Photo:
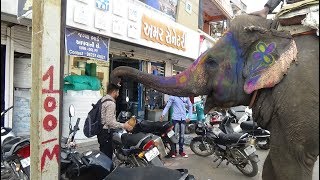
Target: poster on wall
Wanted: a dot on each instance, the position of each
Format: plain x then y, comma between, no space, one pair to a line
87,45
168,7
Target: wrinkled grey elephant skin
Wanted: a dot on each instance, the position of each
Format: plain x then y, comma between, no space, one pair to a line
284,70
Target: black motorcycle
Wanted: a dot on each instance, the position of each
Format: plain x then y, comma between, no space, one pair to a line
136,150
162,129
237,148
88,165
247,125
15,154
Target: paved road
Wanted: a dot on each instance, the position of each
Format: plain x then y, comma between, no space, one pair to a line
205,169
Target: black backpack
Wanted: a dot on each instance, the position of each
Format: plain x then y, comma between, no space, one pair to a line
92,125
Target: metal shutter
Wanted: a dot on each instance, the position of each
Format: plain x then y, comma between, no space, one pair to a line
22,36
4,26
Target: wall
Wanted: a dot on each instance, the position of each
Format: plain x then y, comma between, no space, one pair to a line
185,18
123,20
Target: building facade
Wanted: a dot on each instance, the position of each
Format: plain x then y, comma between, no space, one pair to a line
159,37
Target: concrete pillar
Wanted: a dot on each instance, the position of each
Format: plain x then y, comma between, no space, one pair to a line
46,91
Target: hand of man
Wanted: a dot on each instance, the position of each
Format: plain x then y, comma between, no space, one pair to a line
188,120
161,118
127,126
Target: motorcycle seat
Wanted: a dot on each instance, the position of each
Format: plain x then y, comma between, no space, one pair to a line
232,138
132,139
249,125
8,145
154,126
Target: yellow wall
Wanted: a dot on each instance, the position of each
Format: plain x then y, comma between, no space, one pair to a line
186,19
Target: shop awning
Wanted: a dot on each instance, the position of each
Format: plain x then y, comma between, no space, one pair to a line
217,10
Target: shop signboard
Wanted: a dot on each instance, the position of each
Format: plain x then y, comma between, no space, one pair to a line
86,45
153,30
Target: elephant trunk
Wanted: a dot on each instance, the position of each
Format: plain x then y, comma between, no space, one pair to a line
174,85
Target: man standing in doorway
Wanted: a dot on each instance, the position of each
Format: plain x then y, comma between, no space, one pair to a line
108,119
179,119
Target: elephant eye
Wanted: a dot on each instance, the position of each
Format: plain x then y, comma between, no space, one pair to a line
211,62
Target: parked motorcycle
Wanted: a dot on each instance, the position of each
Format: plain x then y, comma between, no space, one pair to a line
15,154
136,150
246,125
162,129
237,148
74,165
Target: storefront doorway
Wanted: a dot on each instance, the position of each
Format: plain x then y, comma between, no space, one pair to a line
129,88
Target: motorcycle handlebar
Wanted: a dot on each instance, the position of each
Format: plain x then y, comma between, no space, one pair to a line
75,129
5,111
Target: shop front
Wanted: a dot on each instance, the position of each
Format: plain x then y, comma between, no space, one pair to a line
140,37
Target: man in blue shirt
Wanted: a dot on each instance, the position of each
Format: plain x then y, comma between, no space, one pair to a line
179,119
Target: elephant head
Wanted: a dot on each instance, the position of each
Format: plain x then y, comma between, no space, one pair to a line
248,57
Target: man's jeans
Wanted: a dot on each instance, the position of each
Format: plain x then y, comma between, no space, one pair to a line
179,129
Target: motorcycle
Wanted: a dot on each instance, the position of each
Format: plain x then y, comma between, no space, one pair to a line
237,148
135,150
158,129
162,129
15,154
74,165
246,125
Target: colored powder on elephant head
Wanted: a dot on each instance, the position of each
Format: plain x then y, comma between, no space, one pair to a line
231,66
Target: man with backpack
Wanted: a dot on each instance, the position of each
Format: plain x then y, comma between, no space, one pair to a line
108,120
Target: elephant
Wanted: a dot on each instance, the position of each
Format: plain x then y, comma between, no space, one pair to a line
278,72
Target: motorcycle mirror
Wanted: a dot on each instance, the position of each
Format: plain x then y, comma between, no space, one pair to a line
71,111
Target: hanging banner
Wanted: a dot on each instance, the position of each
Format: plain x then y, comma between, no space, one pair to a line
87,45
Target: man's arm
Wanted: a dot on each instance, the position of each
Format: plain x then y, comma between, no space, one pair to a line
190,108
272,4
268,8
169,103
108,116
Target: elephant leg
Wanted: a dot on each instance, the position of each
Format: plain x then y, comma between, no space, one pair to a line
288,160
268,172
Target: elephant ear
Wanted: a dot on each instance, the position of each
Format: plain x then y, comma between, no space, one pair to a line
268,60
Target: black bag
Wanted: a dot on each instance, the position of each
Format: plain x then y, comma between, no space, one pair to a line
92,125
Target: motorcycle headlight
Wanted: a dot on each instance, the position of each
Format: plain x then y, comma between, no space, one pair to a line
252,141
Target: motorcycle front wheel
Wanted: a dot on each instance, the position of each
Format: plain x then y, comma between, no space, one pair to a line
251,172
201,147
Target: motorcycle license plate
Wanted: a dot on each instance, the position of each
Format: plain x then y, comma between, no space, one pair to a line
25,162
170,133
249,150
154,152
